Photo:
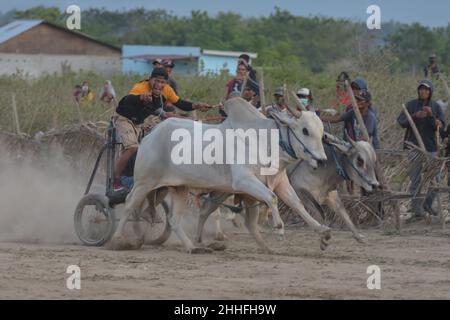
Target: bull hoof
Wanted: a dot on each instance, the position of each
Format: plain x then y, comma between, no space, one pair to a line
325,232
323,244
261,229
326,236
236,223
279,231
200,250
427,219
217,246
361,238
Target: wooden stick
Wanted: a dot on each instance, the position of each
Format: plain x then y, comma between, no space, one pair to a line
286,96
15,114
77,105
358,115
244,84
262,97
414,128
444,80
438,141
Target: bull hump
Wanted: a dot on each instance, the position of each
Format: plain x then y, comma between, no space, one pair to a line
241,114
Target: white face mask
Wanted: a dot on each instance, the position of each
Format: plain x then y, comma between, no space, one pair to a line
84,88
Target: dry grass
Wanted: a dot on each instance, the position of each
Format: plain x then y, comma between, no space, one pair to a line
45,104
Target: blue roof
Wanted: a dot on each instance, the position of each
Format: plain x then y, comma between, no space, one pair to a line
16,27
134,50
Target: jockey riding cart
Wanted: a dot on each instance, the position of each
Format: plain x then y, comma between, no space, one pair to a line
95,215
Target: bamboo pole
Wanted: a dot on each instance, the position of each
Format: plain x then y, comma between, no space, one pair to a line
286,96
444,80
244,84
358,115
15,114
77,105
262,96
414,128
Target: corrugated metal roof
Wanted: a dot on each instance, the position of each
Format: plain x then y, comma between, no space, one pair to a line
16,27
151,57
134,50
235,54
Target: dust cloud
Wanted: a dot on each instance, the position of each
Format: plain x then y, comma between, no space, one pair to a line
38,199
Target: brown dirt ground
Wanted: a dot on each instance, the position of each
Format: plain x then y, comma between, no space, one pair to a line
413,265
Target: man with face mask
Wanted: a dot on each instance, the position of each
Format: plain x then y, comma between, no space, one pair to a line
428,118
305,96
145,98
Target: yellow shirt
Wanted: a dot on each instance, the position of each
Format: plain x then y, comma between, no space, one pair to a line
144,86
87,99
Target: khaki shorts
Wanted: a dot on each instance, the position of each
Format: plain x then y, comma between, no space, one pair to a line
127,131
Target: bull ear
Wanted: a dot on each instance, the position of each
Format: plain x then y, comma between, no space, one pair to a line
284,118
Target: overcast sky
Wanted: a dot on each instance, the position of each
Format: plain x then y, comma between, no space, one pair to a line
430,12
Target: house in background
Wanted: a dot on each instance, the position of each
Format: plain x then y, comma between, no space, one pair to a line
214,61
36,47
188,60
139,58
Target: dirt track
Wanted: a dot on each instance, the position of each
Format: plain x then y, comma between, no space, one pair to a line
414,265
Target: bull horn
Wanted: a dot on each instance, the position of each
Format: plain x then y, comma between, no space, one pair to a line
295,113
331,138
352,142
298,102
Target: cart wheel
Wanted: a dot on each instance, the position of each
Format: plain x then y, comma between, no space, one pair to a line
159,230
95,221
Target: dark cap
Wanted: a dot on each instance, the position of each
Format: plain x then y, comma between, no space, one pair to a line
159,72
168,63
279,92
359,84
364,95
425,83
251,86
245,56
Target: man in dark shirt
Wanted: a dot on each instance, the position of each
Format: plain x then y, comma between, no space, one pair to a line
428,118
432,68
363,99
145,99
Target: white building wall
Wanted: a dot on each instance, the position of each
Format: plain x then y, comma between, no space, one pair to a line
37,64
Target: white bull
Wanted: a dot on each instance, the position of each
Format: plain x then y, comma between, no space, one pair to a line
156,173
354,161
